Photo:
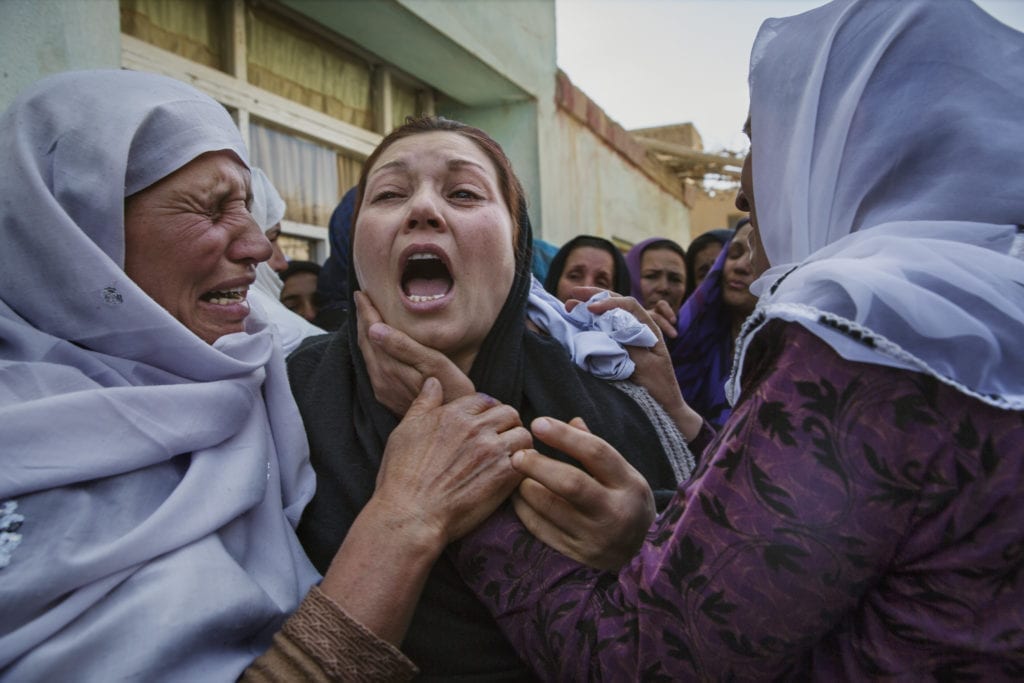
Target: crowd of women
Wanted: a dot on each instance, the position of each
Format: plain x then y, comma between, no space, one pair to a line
818,484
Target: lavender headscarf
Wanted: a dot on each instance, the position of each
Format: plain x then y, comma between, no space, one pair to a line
893,227
635,257
157,479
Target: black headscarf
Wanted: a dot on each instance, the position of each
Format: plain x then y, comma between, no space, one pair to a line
452,634
620,282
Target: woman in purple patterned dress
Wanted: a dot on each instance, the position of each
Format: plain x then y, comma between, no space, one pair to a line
860,515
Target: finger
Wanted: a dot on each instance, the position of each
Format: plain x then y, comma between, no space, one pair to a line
600,460
481,404
662,308
425,360
585,293
365,309
578,423
627,303
667,327
542,521
574,486
631,305
430,397
516,438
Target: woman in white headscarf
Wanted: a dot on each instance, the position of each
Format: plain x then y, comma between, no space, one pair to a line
267,210
153,461
859,516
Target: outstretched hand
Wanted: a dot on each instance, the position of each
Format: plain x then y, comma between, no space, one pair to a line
398,365
598,517
446,467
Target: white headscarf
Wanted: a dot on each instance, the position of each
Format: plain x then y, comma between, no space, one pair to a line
886,150
267,209
157,478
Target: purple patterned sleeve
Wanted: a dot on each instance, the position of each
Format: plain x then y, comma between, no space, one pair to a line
811,543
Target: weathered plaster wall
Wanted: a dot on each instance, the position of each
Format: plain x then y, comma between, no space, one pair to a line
41,37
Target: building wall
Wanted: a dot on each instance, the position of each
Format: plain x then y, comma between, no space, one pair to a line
607,183
604,194
713,211
42,37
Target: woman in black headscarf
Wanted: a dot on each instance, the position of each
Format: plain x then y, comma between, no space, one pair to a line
438,252
587,261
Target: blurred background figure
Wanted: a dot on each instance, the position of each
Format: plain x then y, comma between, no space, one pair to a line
267,210
332,286
543,253
708,324
299,293
587,261
702,253
657,272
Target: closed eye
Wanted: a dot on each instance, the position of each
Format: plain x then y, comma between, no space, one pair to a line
464,194
385,195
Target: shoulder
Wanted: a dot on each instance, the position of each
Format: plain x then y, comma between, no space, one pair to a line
317,357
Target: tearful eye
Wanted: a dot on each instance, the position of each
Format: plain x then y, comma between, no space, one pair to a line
384,196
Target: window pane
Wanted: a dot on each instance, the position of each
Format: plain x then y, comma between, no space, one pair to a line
306,69
296,248
304,173
403,103
194,29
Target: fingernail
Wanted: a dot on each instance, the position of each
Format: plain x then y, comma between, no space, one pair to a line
517,459
378,331
541,424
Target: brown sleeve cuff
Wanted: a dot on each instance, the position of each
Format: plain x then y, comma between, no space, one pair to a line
344,648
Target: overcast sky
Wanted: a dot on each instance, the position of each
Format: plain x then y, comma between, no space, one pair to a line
657,62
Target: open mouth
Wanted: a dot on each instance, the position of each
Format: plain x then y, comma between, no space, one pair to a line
425,277
225,297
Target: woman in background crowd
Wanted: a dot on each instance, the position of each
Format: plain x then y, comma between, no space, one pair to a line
299,290
267,210
702,254
587,261
657,272
707,326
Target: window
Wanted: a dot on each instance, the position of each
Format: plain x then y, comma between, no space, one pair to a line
308,104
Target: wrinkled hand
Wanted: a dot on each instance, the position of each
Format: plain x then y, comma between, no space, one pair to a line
447,466
598,517
654,370
398,365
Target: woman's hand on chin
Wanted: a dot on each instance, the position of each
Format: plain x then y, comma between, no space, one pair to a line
599,517
398,365
446,467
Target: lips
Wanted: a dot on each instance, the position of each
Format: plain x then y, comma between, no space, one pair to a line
224,297
426,275
229,292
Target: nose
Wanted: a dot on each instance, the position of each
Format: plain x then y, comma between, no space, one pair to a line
250,245
741,201
423,211
743,264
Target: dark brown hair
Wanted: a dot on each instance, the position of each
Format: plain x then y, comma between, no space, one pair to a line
511,189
